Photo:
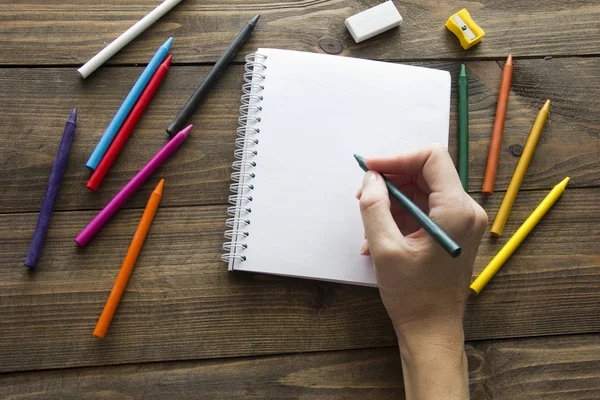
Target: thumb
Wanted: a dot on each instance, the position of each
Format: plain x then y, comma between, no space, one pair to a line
380,227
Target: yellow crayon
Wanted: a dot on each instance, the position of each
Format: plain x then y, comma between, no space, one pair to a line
509,248
517,179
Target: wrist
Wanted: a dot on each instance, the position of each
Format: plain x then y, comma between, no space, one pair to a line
427,341
434,365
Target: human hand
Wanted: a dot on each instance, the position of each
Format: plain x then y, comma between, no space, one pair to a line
424,290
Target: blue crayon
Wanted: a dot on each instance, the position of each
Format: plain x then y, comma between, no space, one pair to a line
127,105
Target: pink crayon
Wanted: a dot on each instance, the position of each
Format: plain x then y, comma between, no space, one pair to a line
99,220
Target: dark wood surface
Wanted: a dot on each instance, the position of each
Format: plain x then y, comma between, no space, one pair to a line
72,31
181,302
539,368
199,173
186,328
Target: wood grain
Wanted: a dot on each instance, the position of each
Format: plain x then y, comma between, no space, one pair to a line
70,32
540,368
181,303
35,103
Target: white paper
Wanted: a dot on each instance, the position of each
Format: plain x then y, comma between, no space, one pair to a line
317,111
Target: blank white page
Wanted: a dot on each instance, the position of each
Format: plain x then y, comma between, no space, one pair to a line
317,111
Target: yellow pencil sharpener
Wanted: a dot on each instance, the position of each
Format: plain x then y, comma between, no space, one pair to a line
465,29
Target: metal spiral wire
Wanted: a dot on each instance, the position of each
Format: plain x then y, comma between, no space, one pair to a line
245,154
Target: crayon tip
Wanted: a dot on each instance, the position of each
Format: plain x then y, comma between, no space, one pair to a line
463,70
168,43
546,105
167,62
159,188
254,20
186,131
73,116
361,162
564,182
509,60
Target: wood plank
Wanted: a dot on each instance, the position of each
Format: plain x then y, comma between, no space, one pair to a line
539,368
70,32
34,104
181,303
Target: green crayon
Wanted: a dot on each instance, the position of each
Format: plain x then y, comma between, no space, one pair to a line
463,128
423,219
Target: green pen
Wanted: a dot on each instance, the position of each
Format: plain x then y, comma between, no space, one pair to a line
463,128
423,219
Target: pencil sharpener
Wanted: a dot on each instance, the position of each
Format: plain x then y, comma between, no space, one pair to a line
465,29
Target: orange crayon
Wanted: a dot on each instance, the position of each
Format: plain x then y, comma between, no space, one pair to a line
129,262
494,154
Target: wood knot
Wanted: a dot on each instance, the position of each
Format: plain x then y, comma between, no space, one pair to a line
331,45
323,297
476,361
516,150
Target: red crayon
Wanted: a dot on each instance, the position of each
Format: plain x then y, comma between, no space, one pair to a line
128,126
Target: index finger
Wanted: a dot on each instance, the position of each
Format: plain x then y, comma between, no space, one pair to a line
432,164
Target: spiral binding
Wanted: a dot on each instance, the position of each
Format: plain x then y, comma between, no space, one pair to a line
245,154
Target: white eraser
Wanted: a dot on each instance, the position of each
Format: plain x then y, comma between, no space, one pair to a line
373,21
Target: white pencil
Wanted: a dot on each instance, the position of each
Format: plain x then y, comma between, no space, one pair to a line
126,37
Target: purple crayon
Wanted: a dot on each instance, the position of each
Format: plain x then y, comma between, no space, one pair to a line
58,169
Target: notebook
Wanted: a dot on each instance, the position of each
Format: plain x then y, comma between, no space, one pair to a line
303,116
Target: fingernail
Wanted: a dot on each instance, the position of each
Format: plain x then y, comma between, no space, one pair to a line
358,193
364,248
369,178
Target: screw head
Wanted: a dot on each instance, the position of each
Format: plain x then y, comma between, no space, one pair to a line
516,150
331,45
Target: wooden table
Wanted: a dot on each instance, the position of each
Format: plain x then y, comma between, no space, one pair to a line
186,328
